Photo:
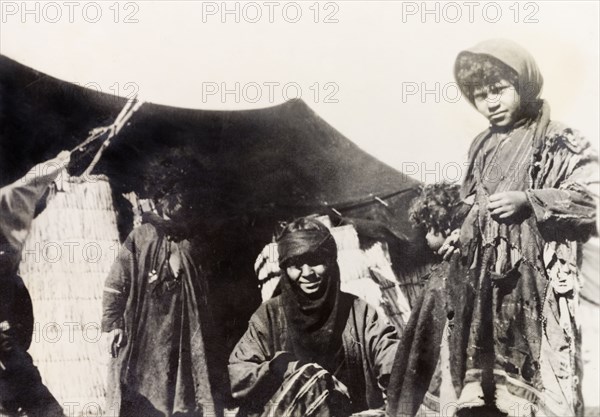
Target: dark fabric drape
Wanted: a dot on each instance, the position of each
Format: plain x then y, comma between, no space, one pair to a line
163,368
262,359
315,324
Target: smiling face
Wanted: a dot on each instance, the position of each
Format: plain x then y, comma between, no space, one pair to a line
309,275
499,103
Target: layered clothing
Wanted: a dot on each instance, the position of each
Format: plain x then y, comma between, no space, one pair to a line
161,305
324,353
513,291
264,361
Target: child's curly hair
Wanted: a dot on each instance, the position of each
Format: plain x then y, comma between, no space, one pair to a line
436,207
479,71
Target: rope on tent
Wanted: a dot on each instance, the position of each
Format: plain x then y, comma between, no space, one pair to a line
343,205
379,200
109,131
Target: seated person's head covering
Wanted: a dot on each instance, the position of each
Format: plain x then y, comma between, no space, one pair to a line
304,237
316,321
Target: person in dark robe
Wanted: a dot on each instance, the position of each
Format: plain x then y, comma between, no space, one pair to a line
530,183
157,322
313,350
422,361
21,388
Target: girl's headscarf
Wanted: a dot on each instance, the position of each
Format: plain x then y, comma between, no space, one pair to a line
530,83
316,322
530,80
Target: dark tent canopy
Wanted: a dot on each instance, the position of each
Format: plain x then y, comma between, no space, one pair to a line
255,166
280,159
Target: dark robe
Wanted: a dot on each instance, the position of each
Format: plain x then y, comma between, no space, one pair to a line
163,369
414,370
261,361
506,338
498,293
514,307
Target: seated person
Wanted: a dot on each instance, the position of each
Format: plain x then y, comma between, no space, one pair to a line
313,349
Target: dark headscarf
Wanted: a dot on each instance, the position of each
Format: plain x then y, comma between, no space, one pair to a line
315,322
530,83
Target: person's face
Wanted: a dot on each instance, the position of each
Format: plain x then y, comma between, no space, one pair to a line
435,239
499,103
308,274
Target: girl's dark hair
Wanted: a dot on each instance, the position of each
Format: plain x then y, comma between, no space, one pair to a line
437,207
479,70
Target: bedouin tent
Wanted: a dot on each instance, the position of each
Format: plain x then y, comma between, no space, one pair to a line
258,166
282,159
252,167
255,167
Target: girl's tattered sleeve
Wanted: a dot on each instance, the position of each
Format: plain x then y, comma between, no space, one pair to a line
255,371
117,287
565,205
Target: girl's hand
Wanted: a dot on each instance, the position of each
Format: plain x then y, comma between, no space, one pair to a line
509,206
